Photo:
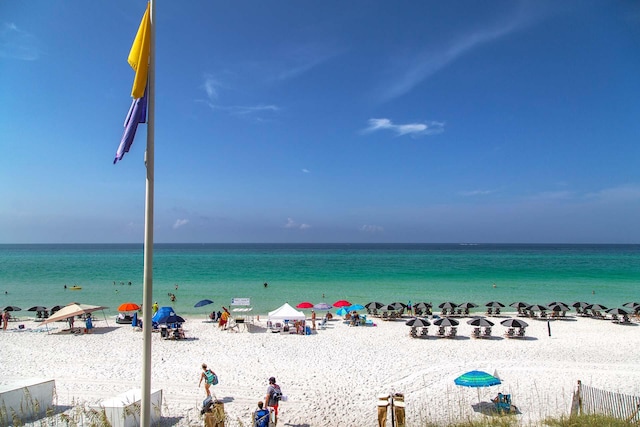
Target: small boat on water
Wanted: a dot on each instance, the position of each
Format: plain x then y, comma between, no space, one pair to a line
75,288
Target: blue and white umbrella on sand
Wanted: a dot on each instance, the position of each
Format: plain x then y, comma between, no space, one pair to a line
477,379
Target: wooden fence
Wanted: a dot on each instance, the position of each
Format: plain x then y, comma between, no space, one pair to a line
590,400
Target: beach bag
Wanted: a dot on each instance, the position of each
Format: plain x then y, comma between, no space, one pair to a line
276,396
211,377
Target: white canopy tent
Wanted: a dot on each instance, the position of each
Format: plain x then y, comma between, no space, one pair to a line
286,312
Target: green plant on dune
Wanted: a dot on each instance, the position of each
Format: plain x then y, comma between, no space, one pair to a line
593,420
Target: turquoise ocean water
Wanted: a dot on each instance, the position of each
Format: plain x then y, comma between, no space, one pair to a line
538,274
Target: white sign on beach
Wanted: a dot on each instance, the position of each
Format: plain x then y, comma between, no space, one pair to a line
240,301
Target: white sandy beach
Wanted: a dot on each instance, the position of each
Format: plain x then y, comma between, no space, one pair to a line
332,377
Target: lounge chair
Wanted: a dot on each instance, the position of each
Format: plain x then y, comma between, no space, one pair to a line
521,333
441,331
452,332
497,311
323,323
489,311
487,332
413,333
511,332
475,333
424,332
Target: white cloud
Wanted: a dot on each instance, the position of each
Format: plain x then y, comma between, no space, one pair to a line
292,224
17,44
211,86
305,170
371,228
179,223
428,128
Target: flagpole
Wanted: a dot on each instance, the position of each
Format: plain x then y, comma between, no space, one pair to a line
145,410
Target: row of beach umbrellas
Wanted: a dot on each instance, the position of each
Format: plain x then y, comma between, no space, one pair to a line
420,322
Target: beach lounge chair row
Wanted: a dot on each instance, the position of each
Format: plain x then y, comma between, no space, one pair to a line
512,333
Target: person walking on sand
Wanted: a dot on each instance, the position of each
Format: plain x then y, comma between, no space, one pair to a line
274,394
209,378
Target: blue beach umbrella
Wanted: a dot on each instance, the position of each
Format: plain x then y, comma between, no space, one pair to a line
477,379
203,303
355,307
342,311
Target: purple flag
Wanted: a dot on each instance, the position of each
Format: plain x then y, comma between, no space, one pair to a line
137,114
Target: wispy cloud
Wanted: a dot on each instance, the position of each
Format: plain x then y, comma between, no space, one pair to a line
427,128
179,223
421,65
212,87
292,224
301,58
476,193
367,228
17,44
305,170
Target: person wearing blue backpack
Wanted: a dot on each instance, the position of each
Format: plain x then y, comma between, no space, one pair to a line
209,377
261,416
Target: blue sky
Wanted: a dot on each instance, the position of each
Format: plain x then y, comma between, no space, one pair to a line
333,121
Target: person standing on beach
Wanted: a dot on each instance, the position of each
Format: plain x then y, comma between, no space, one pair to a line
224,318
313,319
273,398
5,319
154,307
261,416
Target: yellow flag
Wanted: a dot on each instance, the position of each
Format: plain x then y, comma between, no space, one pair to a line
139,56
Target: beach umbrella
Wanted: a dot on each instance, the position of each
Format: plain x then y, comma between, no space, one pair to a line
514,323
418,322
422,305
480,322
355,307
341,303
398,305
596,307
446,321
494,304
129,306
37,308
342,311
389,307
477,379
580,304
618,311
557,303
305,304
322,306
171,318
537,307
519,304
467,305
631,305
71,310
448,305
203,302
559,307
12,308
374,305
